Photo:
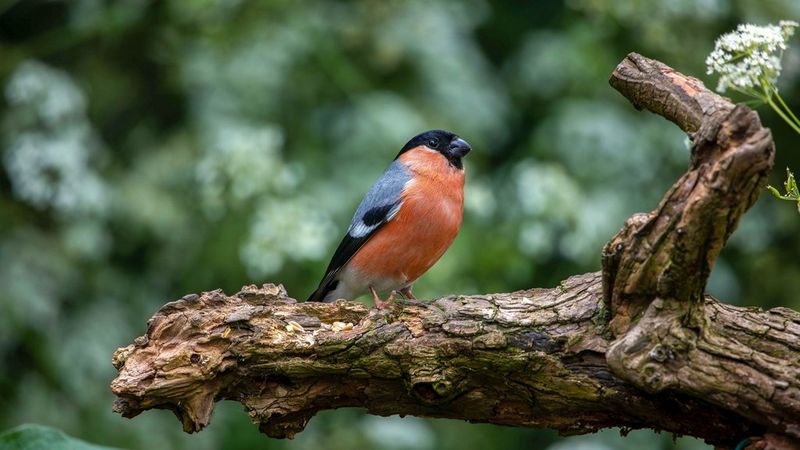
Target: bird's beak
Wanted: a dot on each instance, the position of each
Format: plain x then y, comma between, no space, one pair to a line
459,148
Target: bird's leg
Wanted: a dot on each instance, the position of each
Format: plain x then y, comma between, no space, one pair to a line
380,304
406,291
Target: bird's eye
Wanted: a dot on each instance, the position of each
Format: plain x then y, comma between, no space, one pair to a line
433,143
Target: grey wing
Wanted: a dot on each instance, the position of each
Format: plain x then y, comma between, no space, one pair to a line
382,201
380,205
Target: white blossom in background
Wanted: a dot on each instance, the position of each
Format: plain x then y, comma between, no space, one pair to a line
286,229
559,215
240,162
750,57
50,149
48,93
545,189
55,173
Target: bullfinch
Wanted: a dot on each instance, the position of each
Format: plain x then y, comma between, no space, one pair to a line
404,224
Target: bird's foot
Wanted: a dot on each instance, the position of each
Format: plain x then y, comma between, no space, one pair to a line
406,291
381,304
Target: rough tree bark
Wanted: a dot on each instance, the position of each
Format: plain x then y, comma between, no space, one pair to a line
636,346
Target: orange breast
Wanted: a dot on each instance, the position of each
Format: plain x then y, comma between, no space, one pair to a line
425,226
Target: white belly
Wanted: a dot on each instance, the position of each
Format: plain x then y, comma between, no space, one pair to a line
353,284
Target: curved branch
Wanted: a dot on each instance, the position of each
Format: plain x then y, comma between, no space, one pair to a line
669,252
638,346
656,268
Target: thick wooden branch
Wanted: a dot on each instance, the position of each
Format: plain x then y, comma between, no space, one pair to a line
636,346
530,358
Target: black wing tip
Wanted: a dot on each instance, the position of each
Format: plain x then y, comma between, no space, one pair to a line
322,291
316,296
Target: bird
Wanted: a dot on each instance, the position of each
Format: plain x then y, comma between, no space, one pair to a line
404,224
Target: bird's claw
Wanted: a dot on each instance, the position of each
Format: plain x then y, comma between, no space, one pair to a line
406,291
382,304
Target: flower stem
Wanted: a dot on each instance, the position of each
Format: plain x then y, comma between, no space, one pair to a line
783,115
785,107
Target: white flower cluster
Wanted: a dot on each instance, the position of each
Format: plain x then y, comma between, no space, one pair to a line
241,161
51,146
56,172
750,56
286,229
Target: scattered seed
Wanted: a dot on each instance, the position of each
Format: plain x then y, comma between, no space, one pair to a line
294,326
341,326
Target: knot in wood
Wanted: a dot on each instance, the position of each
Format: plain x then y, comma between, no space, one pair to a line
436,388
661,353
432,392
653,377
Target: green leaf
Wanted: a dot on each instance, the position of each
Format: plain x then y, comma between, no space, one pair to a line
792,192
775,192
40,437
791,185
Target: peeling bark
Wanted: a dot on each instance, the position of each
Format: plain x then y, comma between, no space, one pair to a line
636,346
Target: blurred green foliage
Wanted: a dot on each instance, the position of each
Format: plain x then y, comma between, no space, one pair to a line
150,149
38,437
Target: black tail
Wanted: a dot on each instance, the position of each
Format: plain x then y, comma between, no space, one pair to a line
317,295
322,291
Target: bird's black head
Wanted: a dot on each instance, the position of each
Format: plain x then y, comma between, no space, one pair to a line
448,144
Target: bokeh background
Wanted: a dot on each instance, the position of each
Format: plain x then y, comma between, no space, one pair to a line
150,149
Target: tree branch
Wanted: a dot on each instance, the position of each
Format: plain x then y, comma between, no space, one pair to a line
638,346
532,358
669,252
656,268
